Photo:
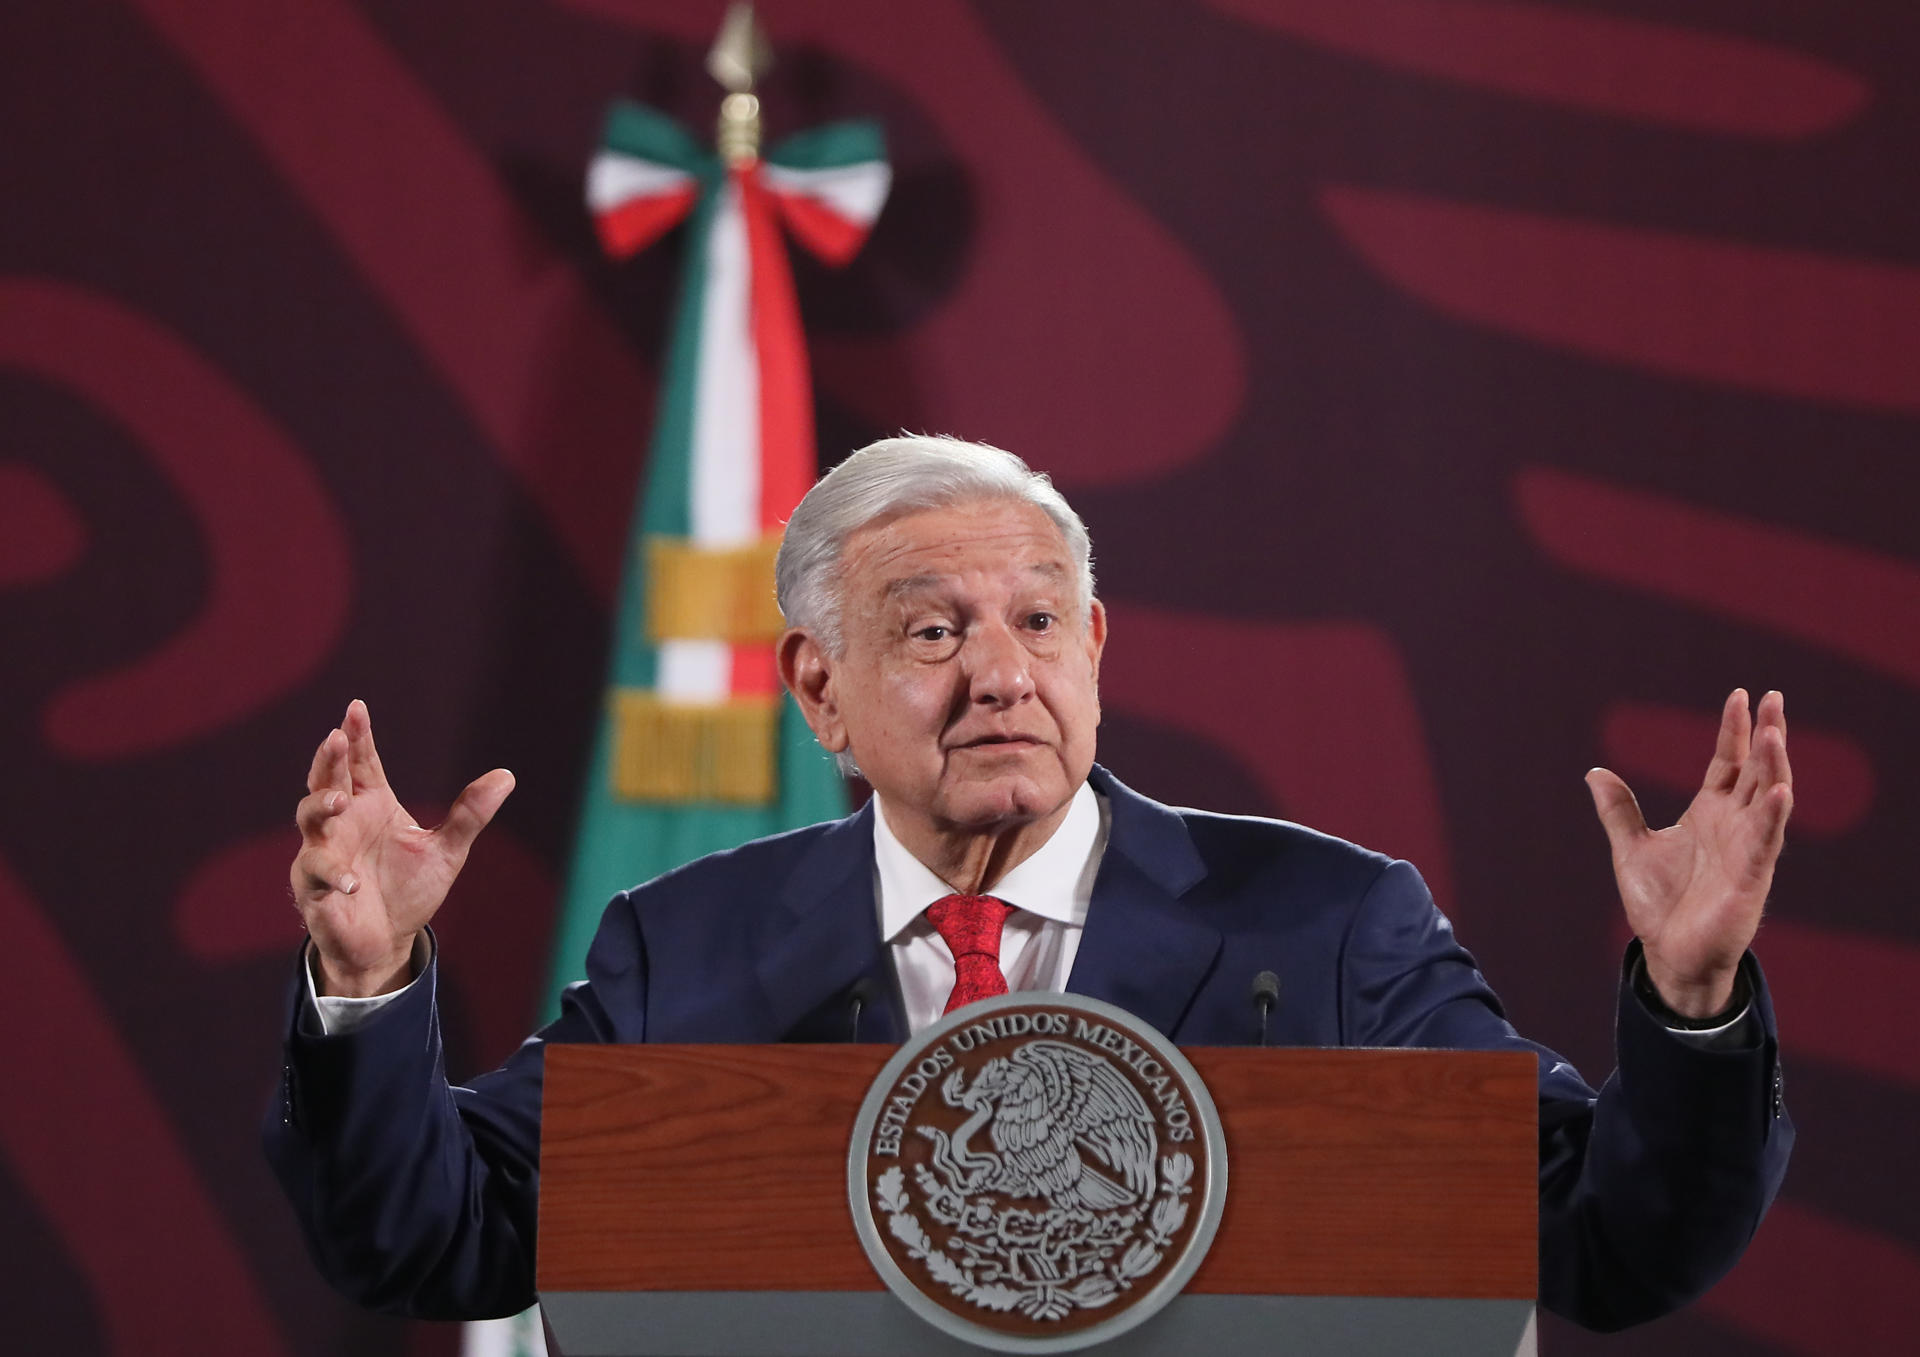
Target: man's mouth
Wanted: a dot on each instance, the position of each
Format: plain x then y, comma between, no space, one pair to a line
989,741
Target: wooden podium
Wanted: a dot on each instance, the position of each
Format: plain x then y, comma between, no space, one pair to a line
693,1201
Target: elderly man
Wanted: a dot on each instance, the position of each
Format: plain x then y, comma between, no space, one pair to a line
945,635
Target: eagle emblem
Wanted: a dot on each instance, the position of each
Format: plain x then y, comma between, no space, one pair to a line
1037,1169
1044,1107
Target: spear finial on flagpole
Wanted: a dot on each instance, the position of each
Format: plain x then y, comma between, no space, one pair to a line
740,56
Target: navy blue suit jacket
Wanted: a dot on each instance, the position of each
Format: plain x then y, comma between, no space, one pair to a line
419,1197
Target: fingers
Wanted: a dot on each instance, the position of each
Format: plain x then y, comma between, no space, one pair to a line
329,767
1619,813
1773,723
316,872
1776,807
363,760
472,812
1767,764
1730,749
317,810
317,770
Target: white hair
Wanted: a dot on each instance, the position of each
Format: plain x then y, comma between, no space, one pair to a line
898,476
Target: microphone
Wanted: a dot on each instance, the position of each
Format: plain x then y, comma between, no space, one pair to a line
1266,993
864,992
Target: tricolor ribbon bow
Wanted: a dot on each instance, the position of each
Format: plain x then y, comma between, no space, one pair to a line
826,186
733,447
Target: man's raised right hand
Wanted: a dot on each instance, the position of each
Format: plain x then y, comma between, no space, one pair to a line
367,878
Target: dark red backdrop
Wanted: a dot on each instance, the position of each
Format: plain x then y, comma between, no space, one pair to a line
1461,394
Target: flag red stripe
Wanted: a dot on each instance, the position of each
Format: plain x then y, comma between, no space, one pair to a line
787,458
833,237
754,672
638,222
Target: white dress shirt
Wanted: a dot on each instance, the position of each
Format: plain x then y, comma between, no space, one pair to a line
1050,893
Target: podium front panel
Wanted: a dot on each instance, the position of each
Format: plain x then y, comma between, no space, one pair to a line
875,1324
701,1189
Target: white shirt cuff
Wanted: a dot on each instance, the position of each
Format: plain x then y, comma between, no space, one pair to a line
335,1015
1737,1033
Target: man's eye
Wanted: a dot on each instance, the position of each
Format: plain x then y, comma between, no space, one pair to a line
1041,622
932,633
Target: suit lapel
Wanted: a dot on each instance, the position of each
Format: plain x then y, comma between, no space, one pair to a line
823,938
1142,949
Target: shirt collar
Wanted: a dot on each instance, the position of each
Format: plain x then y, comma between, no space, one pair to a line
1056,882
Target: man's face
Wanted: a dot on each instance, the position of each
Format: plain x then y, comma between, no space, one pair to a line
968,691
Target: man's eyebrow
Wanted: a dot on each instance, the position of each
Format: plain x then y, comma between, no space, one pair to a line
913,584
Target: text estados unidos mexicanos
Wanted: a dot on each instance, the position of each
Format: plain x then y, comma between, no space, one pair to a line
1160,1085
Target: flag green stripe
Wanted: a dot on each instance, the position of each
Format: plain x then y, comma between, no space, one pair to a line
635,130
831,147
618,843
665,504
623,844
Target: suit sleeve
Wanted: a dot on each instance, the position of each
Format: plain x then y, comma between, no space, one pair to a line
1651,1186
415,1196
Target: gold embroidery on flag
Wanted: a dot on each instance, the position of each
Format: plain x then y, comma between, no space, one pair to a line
697,594
673,751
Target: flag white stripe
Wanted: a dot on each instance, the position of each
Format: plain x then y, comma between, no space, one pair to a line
855,191
613,178
725,476
693,671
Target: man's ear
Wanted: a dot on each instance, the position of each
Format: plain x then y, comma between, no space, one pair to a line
808,674
1096,645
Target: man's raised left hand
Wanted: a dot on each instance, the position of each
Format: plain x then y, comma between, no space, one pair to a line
1694,892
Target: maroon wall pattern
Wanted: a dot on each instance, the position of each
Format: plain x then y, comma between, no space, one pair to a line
1461,393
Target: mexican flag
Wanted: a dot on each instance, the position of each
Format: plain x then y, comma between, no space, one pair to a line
698,748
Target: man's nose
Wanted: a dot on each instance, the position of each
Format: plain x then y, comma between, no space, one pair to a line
999,672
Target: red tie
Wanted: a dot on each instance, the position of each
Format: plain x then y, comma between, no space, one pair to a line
970,925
